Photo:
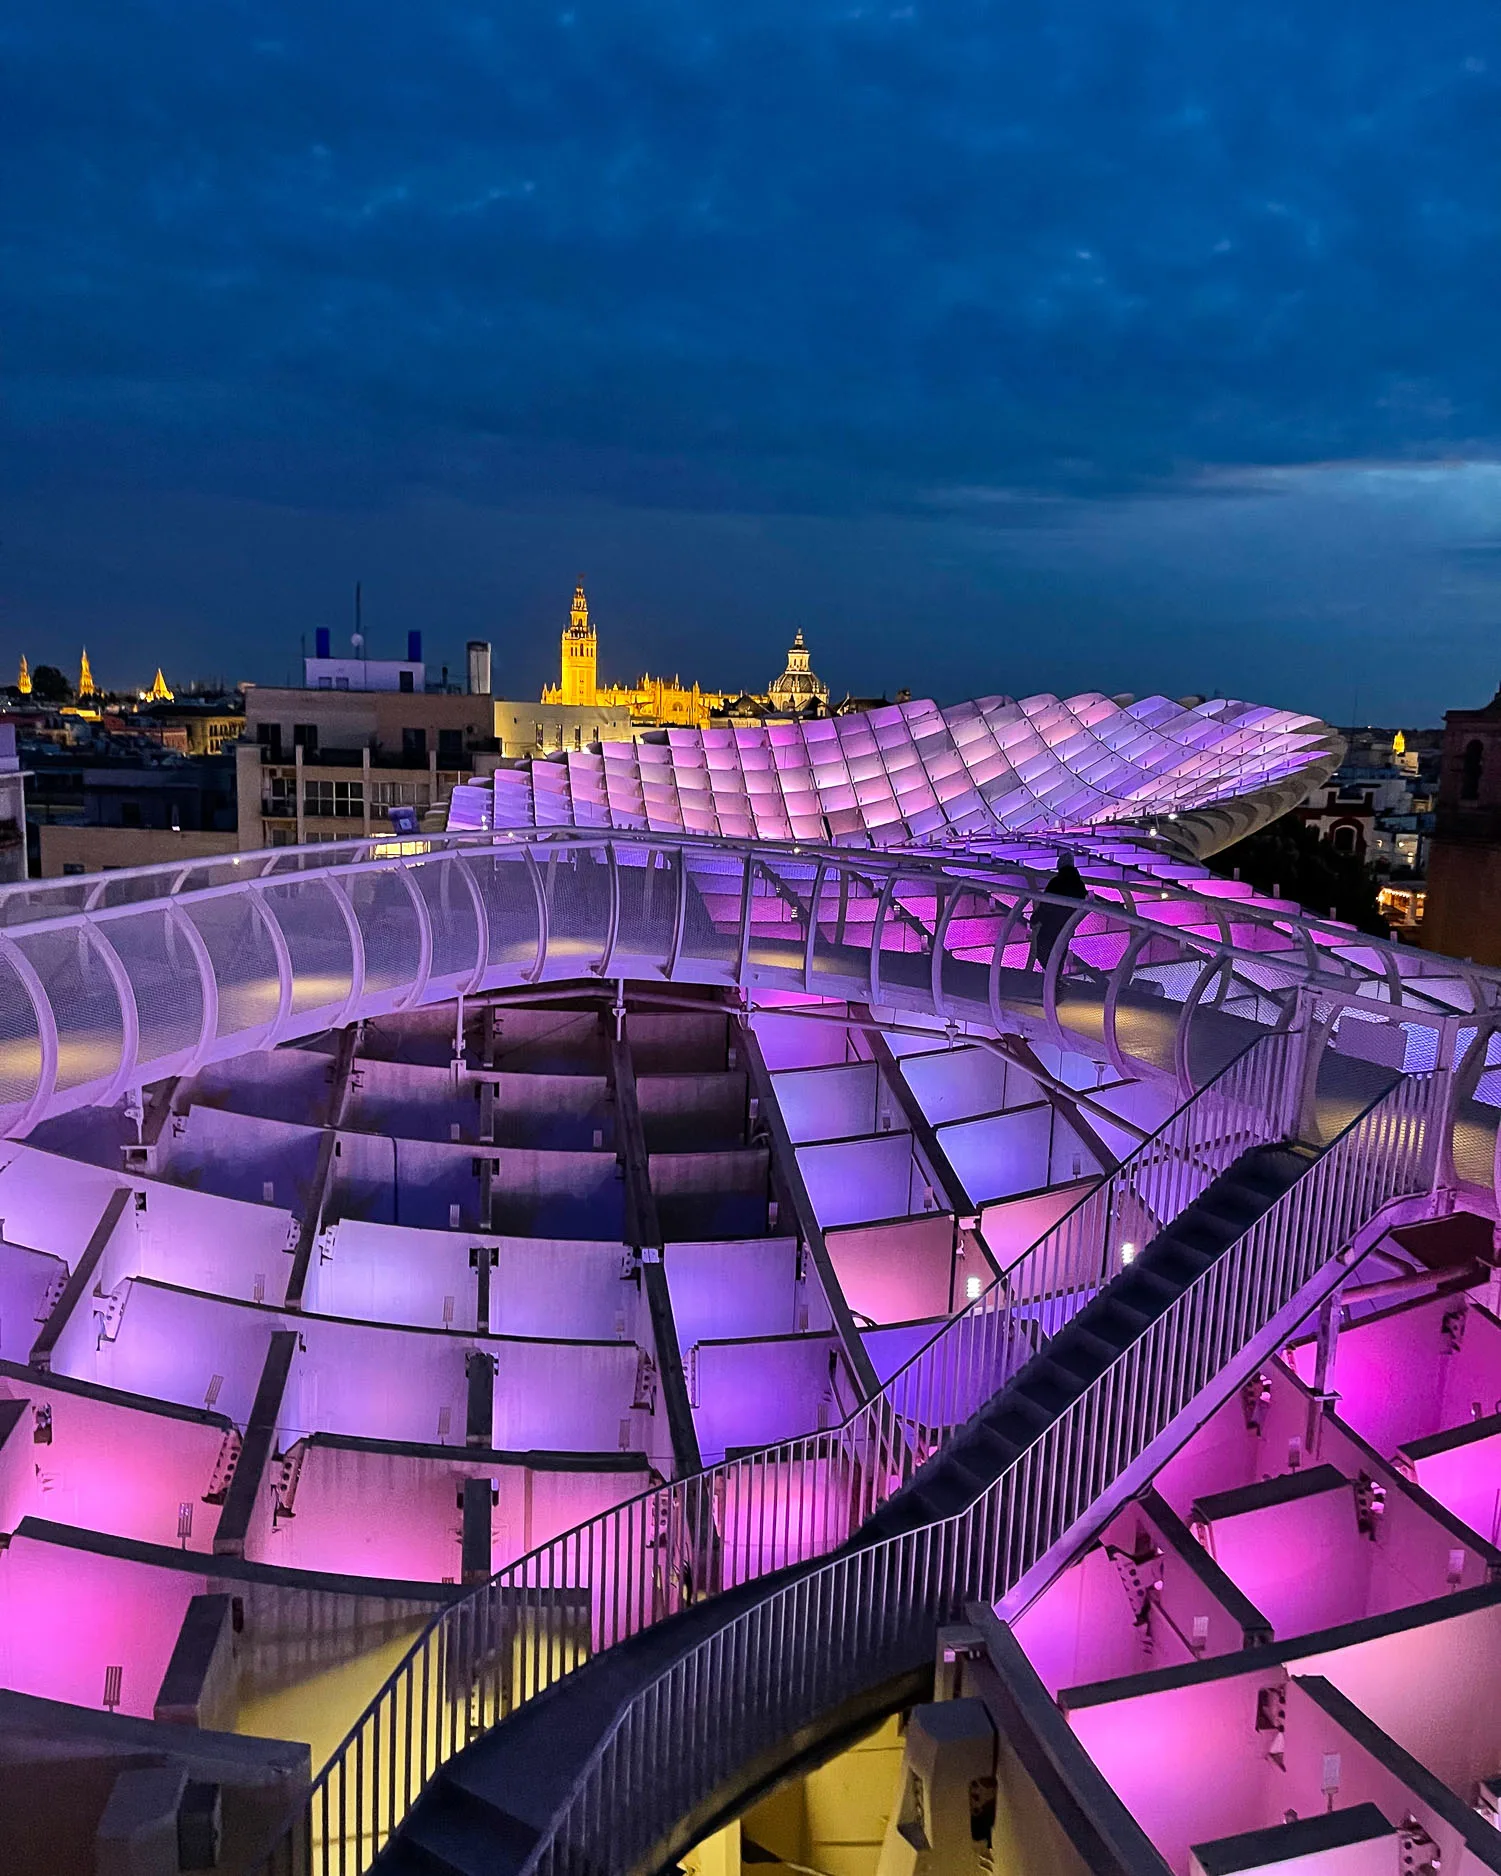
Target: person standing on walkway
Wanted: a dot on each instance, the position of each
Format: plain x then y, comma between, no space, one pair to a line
1048,921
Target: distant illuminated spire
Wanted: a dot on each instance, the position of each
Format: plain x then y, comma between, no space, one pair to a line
86,677
159,692
23,682
579,686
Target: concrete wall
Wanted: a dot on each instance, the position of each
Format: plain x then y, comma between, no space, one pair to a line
99,849
418,1535
895,1272
735,1288
703,1196
240,1156
416,1101
26,1276
569,1112
116,1465
405,1182
280,1084
692,1113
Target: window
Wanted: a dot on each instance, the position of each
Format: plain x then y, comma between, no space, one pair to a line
72,866
450,745
325,683
414,745
1474,763
404,681
1344,839
305,736
280,796
268,735
337,798
400,795
130,814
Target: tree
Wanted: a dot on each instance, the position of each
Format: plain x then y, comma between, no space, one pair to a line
48,685
1289,859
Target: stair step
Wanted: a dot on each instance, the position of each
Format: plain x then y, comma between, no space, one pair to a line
1101,1347
457,1829
998,1450
1180,1263
942,1497
970,1467
1143,1278
1077,1360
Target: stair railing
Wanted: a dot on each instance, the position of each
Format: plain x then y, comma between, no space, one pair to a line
626,1568
868,1616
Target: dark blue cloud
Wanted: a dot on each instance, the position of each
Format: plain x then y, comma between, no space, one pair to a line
785,260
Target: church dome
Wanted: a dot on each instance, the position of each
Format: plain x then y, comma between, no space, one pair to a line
798,686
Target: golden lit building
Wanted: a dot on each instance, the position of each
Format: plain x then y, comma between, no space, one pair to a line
580,658
23,682
159,692
86,686
651,700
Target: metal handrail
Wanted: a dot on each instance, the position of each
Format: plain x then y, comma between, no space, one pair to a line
320,920
620,1571
868,1615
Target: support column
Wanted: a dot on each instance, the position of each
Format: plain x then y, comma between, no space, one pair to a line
476,1501
259,1447
784,1158
483,1258
479,1414
956,1199
80,1278
311,1222
644,1231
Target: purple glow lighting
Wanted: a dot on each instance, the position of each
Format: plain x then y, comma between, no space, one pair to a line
914,773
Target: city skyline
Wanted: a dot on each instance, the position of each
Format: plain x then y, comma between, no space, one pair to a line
1130,350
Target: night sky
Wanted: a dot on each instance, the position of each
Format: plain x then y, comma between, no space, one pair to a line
1116,344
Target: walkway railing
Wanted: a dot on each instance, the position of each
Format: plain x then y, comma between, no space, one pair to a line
614,1575
868,1616
109,983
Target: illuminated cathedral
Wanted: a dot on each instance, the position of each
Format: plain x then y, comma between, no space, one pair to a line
797,691
657,700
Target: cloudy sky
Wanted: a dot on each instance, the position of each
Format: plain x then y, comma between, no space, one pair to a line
1003,345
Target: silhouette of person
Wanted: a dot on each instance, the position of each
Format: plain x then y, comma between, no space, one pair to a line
1048,921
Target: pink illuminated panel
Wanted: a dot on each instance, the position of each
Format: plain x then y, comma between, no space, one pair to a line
911,772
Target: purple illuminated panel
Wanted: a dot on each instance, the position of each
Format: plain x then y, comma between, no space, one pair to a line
913,773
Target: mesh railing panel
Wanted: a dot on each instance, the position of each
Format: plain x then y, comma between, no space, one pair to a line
317,941
165,979
451,914
85,1005
20,1043
505,883
648,906
387,919
243,959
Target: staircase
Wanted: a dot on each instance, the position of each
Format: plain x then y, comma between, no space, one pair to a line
1092,1342
486,1812
602,1702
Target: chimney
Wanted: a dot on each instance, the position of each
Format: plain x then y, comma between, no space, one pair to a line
414,648
321,642
479,667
